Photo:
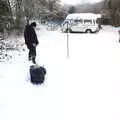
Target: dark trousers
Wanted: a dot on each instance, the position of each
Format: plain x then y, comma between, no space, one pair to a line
32,54
32,51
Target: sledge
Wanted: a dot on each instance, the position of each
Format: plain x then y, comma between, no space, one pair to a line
37,74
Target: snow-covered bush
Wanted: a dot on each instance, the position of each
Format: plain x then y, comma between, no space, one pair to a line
10,44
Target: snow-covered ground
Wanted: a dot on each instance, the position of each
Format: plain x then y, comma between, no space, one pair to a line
85,86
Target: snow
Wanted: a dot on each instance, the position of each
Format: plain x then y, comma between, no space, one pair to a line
83,16
81,87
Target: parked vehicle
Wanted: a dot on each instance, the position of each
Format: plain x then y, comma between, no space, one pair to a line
81,22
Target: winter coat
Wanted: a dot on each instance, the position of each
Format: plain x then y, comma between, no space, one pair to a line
30,36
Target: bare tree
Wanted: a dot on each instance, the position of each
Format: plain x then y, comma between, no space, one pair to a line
41,8
5,15
18,14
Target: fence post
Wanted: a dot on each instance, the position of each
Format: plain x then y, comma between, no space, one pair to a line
119,35
67,41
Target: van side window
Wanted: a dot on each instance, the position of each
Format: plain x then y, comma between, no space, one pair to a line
88,21
75,20
78,21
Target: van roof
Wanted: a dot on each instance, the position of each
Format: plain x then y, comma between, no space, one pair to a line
83,16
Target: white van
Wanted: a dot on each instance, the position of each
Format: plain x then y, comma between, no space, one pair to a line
81,22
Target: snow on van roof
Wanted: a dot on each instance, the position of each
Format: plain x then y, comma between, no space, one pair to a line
83,15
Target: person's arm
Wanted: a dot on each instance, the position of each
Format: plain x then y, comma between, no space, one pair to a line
35,37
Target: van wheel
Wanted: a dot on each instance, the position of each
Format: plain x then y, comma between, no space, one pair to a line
88,31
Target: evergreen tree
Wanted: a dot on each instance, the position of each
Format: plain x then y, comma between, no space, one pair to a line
72,9
114,7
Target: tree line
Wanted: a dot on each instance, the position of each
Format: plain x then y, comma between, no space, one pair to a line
14,14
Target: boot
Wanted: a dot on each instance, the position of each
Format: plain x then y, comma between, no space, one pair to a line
29,58
33,60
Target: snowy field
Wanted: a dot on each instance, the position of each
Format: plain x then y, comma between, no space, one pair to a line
85,86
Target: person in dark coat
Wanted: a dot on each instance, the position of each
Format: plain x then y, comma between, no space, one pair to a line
31,40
